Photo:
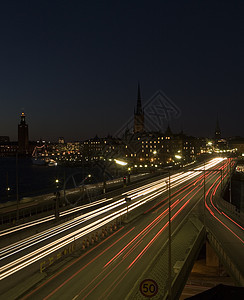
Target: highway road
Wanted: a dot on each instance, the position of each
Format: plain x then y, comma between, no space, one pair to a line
229,233
109,269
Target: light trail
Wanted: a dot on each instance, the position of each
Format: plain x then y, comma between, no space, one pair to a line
136,242
80,269
144,190
50,218
148,193
130,247
75,261
216,185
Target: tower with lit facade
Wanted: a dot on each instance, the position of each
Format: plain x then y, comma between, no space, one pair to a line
23,136
138,115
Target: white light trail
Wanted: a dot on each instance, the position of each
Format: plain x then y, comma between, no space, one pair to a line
139,196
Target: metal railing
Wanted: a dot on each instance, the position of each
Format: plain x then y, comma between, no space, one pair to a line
225,259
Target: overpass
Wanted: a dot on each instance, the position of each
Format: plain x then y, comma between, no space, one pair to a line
109,266
216,227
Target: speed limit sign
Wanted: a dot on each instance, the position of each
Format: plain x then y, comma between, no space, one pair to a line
148,288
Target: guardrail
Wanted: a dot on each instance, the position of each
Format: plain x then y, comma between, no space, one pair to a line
186,265
231,208
80,244
225,260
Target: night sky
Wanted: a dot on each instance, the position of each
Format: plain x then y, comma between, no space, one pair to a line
73,66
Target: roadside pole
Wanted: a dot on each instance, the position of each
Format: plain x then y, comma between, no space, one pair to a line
17,188
169,252
57,199
230,183
204,196
57,205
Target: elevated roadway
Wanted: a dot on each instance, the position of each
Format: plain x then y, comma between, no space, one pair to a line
109,269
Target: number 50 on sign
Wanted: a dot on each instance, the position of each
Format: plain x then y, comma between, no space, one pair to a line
148,288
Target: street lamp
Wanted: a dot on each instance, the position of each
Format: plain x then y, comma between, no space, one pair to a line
7,186
57,193
104,180
120,162
17,187
129,170
169,258
178,156
230,182
204,195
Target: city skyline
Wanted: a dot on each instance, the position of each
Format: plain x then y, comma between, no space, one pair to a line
73,68
150,125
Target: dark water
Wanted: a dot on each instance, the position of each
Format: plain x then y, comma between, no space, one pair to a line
37,180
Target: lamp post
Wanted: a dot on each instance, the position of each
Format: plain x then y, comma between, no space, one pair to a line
221,171
104,181
129,171
204,195
179,158
230,183
169,258
57,200
8,190
7,185
121,163
17,188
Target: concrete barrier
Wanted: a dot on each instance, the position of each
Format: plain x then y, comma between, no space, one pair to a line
224,258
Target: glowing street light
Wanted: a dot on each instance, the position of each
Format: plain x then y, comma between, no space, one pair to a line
178,156
120,162
8,190
57,199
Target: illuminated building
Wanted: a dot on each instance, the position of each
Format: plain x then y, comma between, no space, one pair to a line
23,136
61,140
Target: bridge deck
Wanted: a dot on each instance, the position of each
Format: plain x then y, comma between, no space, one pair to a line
186,243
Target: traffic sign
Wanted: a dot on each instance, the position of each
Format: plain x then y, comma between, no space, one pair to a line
148,288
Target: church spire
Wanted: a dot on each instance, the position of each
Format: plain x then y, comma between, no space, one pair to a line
217,124
138,105
168,131
138,114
